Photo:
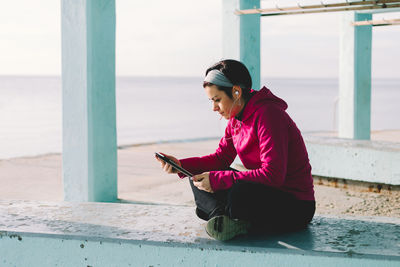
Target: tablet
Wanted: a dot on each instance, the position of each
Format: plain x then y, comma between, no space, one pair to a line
173,164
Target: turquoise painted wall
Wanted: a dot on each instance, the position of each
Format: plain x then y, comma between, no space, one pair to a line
48,251
360,160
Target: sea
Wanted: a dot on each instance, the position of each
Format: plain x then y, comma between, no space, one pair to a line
169,109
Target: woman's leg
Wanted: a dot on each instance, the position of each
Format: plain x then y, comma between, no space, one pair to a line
212,208
268,208
208,204
229,212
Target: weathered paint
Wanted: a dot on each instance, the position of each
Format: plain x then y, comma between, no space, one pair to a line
362,160
355,77
241,36
78,251
111,234
89,112
250,42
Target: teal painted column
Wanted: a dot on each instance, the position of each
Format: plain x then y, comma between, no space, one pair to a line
355,77
89,109
250,50
241,36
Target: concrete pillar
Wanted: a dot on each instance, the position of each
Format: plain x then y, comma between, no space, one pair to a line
355,77
241,36
230,30
250,51
89,113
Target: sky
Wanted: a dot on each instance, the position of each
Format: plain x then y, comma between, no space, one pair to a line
183,38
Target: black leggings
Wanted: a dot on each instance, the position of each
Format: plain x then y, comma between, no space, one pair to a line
266,208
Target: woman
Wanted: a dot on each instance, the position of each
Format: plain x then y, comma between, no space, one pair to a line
276,193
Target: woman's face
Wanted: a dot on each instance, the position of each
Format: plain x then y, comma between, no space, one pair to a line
222,104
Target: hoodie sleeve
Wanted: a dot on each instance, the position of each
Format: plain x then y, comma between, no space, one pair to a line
220,160
272,134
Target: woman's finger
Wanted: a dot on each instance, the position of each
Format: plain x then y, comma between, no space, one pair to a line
166,165
171,169
198,178
197,184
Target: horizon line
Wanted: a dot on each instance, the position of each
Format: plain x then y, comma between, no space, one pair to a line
189,76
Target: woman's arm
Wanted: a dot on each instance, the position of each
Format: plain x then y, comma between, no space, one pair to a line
272,133
220,160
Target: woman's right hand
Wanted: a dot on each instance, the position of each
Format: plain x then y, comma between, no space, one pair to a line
167,167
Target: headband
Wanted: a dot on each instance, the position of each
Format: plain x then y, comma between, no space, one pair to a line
218,78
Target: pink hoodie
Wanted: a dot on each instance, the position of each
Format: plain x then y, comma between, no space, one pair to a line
268,143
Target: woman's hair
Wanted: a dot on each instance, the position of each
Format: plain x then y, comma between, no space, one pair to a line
237,74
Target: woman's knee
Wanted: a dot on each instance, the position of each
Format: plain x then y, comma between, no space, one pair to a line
241,201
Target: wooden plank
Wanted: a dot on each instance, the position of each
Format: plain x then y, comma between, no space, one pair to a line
335,10
321,6
382,22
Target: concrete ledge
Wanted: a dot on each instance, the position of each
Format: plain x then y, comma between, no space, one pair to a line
104,234
360,160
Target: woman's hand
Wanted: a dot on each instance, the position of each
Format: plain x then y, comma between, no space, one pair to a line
167,167
202,182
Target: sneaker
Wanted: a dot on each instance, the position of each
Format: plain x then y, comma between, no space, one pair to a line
224,228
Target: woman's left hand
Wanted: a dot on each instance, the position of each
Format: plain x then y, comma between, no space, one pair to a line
202,182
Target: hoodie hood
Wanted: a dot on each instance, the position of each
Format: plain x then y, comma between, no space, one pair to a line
261,98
